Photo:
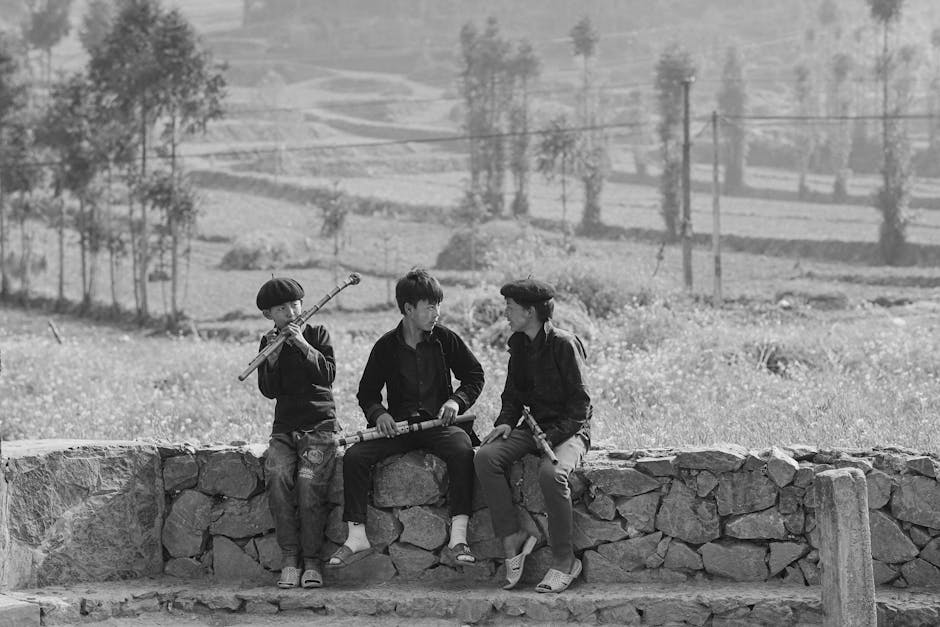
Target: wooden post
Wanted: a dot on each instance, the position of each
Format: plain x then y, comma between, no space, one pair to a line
848,586
716,211
686,187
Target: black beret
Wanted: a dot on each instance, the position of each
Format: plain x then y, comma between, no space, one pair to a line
528,291
277,292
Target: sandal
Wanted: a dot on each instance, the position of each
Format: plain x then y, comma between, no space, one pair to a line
515,564
557,581
290,577
311,578
462,553
346,556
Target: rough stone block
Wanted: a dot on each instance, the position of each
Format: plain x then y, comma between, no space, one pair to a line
621,481
673,612
782,554
16,613
185,568
231,563
411,560
736,560
423,527
923,465
680,556
81,513
745,492
657,466
374,568
920,573
238,518
229,473
683,516
718,459
180,473
631,554
639,512
781,468
186,527
588,532
888,543
603,506
917,500
415,478
765,525
705,482
266,551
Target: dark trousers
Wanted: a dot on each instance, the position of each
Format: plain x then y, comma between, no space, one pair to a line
298,469
451,444
493,460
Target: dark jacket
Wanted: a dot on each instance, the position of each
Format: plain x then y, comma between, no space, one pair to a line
302,386
555,393
382,370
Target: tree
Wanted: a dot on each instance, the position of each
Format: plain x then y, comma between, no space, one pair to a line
484,87
892,197
805,142
675,66
67,130
47,23
523,68
96,24
195,89
593,158
12,102
840,138
557,152
732,101
152,71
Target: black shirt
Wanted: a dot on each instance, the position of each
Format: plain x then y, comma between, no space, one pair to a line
423,390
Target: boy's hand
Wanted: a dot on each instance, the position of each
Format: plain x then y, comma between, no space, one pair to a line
448,412
386,426
499,431
294,335
270,336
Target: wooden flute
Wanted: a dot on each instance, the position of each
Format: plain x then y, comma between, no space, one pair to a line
540,439
401,428
301,320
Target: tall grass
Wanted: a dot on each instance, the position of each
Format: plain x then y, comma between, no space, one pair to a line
661,375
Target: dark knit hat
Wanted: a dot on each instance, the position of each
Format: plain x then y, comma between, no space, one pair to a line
277,292
528,291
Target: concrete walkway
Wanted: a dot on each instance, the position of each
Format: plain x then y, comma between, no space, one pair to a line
167,601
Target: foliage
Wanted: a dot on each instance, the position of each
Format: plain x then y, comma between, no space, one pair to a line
258,251
556,155
675,66
732,101
523,68
893,198
96,23
593,160
47,23
485,91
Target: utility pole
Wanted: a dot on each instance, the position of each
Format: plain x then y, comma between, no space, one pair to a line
686,232
716,211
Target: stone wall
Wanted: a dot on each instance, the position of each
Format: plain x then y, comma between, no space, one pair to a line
109,511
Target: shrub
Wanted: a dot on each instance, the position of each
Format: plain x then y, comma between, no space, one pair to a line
255,252
506,244
599,295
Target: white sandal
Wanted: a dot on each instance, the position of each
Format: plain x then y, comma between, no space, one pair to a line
290,577
557,581
514,565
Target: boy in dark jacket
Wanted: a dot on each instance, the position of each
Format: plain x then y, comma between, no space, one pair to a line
299,460
413,363
546,373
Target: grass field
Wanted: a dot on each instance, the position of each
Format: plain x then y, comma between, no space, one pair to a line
797,353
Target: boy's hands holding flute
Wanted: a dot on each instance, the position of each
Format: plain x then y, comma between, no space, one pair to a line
385,425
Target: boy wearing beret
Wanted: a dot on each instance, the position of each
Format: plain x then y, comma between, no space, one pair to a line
546,367
413,363
299,460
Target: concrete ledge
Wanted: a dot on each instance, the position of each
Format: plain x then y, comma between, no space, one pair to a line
18,613
702,603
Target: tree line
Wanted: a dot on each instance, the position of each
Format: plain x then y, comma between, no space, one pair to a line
93,154
829,80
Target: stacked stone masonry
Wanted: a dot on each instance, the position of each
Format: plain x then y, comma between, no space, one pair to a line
110,511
